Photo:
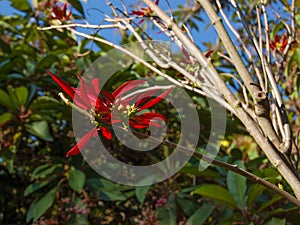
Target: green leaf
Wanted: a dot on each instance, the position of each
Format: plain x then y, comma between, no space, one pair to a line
22,95
39,129
268,203
76,179
44,103
29,214
237,185
141,192
44,170
44,203
22,5
47,62
201,215
105,189
5,100
217,193
6,117
77,5
32,90
296,57
276,221
253,193
13,96
205,173
4,46
34,187
166,215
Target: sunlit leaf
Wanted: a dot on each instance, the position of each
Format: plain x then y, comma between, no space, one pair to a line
22,95
217,193
22,5
276,221
6,117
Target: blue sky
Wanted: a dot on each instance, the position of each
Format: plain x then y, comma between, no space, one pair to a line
92,10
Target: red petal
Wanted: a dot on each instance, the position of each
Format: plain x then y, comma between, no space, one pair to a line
108,96
277,38
57,12
143,97
138,13
156,100
127,86
64,11
151,115
95,83
82,142
106,133
83,94
67,88
156,2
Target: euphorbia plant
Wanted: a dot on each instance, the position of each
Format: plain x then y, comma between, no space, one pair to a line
98,104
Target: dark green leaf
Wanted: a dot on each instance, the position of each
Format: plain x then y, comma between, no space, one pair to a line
5,100
34,187
106,190
141,192
47,62
44,203
39,129
167,215
4,46
77,5
237,185
201,215
268,203
216,192
76,179
253,193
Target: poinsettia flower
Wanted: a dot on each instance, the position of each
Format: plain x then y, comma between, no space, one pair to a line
60,13
100,103
279,43
85,97
143,12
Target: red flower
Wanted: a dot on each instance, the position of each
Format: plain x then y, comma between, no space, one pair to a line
143,12
60,13
99,103
279,44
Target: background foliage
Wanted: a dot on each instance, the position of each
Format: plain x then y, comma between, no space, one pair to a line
40,185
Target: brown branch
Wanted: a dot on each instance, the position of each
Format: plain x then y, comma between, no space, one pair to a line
251,125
